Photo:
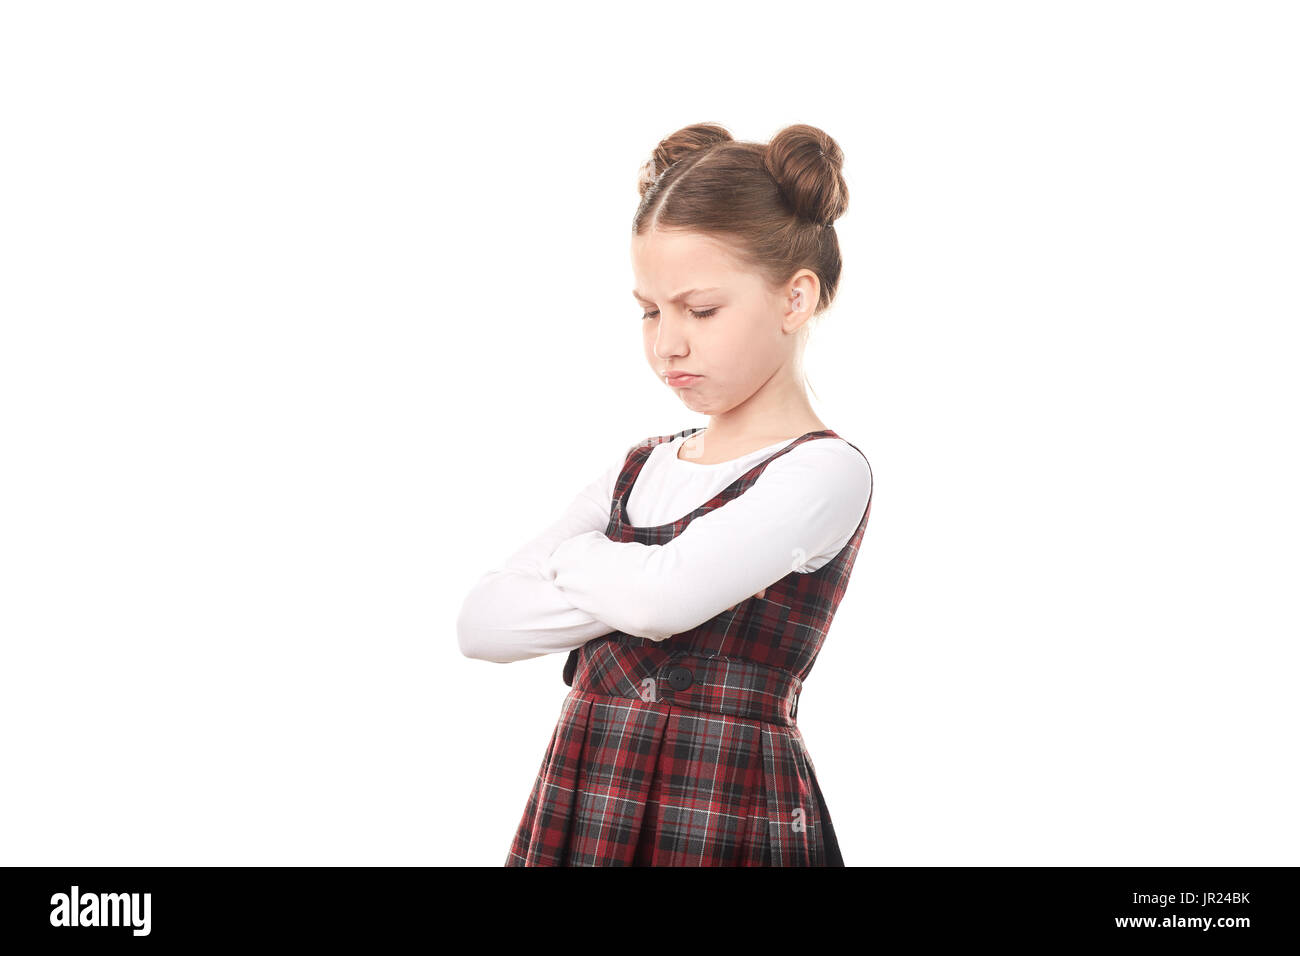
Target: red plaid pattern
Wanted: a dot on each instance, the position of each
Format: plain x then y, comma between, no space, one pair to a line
685,752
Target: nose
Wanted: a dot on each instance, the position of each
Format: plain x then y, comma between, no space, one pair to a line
670,336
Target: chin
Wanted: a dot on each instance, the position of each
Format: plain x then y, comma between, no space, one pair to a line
695,404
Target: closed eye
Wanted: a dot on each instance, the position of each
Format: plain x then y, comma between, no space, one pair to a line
699,315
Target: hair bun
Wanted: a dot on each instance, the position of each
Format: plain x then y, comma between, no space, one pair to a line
684,142
807,166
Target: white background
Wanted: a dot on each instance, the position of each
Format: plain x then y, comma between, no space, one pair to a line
314,312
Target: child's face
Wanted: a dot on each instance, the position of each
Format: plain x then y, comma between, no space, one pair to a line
734,350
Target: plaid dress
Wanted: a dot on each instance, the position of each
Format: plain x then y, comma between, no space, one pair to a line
685,751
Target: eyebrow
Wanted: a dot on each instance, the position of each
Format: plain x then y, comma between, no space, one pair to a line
679,296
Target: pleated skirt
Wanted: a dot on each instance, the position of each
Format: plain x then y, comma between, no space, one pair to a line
627,782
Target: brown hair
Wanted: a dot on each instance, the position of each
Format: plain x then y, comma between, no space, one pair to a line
773,204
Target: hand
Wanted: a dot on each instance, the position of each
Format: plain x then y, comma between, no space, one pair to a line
758,595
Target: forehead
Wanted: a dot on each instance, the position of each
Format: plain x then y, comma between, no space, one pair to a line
680,259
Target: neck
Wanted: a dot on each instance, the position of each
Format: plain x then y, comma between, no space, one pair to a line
778,410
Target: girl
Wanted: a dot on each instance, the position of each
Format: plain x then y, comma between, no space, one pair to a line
694,582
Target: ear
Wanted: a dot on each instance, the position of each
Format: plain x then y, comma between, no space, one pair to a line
803,290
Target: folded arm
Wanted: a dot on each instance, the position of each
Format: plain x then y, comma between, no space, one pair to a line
515,612
797,516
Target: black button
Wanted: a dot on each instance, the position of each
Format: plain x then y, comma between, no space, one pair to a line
679,678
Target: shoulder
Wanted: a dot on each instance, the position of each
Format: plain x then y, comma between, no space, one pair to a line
831,465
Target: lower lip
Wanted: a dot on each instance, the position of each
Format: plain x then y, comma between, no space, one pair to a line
683,380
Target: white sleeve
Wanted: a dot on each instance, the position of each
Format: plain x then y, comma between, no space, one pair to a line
514,612
799,514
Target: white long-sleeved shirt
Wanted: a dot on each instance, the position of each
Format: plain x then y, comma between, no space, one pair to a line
571,584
